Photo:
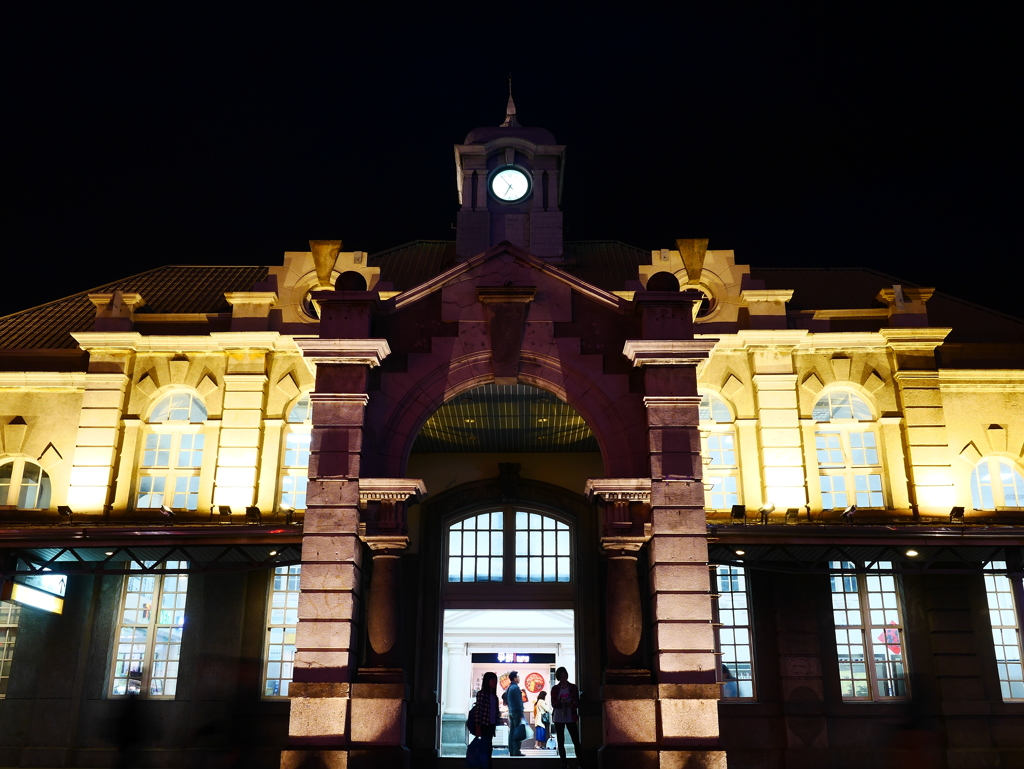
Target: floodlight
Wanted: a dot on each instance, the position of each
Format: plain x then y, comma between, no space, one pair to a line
739,513
792,514
288,511
65,512
253,515
956,515
765,510
848,513
224,509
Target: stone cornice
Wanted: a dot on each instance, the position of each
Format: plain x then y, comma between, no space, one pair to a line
64,380
914,339
669,352
218,341
390,489
619,489
999,380
767,295
364,352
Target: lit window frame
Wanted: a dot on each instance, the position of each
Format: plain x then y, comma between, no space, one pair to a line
10,614
718,439
1004,618
278,632
730,633
174,430
294,476
509,561
864,483
161,573
997,487
863,573
13,488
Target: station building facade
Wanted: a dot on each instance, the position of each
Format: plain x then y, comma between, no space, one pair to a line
781,508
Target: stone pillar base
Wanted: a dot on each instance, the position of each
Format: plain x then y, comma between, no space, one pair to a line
453,734
627,677
612,756
385,757
380,675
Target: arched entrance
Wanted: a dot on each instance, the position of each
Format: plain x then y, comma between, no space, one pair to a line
512,559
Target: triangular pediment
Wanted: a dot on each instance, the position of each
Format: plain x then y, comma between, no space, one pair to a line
475,270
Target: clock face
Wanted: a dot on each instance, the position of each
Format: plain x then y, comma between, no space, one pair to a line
510,184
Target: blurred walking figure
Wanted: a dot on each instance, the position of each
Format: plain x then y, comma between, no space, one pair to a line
485,713
565,699
541,720
516,714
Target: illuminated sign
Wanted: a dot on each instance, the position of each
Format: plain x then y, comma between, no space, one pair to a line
514,658
30,596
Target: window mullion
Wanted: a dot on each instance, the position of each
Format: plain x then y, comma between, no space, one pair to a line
865,618
508,556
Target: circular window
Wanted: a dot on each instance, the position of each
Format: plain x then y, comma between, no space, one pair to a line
308,307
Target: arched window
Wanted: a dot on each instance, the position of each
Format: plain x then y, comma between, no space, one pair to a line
849,456
718,443
172,454
995,484
295,463
477,546
24,485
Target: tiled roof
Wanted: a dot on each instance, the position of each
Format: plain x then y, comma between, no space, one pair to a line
171,289
606,264
411,264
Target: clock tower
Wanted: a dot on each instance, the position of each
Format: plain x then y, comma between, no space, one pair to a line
510,188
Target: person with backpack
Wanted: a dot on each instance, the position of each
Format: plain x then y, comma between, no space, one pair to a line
484,719
565,699
541,720
516,714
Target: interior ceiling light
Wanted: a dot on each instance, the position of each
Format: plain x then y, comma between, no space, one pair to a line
741,552
912,553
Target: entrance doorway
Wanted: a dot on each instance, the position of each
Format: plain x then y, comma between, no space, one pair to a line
532,642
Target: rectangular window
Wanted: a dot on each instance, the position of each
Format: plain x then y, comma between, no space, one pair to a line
721,450
1005,631
475,548
282,619
542,549
850,469
734,634
171,464
722,494
9,615
149,634
869,632
721,477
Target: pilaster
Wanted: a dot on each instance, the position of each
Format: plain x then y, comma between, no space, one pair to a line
928,461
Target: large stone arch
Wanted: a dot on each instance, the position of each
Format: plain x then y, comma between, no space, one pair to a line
616,416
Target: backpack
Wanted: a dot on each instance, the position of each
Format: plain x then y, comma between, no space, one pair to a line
471,719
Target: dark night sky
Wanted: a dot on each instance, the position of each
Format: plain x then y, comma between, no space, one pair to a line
867,137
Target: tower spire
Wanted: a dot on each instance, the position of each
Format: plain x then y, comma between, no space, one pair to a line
510,109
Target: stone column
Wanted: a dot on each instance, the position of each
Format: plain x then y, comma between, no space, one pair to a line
321,721
456,696
680,727
626,529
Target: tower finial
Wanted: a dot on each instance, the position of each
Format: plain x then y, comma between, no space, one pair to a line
510,109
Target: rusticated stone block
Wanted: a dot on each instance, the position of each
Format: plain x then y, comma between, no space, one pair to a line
682,577
691,636
320,665
331,520
686,667
323,718
327,759
685,722
678,549
326,605
630,722
329,634
956,665
330,576
378,721
331,548
953,643
689,691
679,520
685,606
681,493
692,759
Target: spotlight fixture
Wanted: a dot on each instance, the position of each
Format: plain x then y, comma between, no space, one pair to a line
912,553
167,513
288,511
765,510
792,515
956,515
65,512
253,515
848,513
224,510
739,513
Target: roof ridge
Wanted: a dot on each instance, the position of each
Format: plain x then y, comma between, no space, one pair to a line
97,289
